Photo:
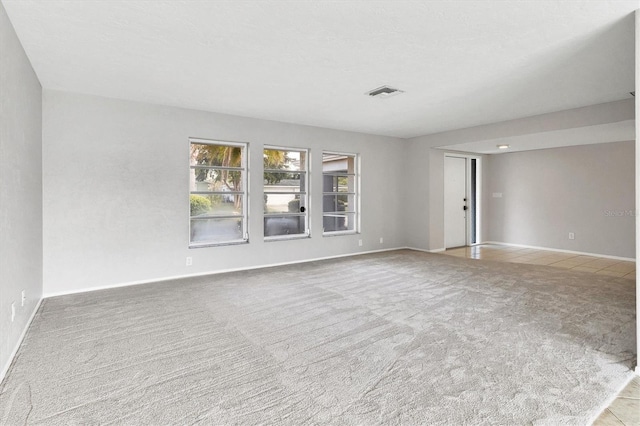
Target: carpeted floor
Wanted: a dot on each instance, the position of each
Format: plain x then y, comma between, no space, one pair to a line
399,337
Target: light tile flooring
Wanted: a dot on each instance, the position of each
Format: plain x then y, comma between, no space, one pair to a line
597,265
625,409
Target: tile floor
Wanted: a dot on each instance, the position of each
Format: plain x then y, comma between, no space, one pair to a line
625,409
597,265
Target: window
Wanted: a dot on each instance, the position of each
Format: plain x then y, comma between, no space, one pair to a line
285,193
340,193
218,193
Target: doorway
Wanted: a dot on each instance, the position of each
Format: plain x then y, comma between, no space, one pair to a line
461,206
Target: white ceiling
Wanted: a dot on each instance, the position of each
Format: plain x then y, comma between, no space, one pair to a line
461,63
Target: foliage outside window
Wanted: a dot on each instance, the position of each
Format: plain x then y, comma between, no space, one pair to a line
285,193
340,193
218,193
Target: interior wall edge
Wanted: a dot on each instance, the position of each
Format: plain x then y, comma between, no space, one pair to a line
14,352
637,180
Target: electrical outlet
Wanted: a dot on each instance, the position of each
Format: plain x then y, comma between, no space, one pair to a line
13,311
360,243
572,236
381,240
189,261
24,298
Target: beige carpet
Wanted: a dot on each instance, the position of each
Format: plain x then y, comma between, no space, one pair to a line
392,338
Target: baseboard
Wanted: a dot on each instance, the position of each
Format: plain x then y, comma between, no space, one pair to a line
222,271
6,367
440,250
582,253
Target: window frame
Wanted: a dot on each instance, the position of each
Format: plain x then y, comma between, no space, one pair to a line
356,193
305,214
244,191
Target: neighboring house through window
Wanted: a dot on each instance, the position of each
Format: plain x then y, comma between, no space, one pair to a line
218,193
340,204
285,193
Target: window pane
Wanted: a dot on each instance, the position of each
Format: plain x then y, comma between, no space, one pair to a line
292,181
284,225
278,159
338,203
333,222
338,183
216,155
203,179
215,204
283,203
216,230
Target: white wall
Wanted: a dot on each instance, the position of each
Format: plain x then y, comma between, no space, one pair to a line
588,190
116,203
20,190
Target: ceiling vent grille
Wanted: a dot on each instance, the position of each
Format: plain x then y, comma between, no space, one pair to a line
384,92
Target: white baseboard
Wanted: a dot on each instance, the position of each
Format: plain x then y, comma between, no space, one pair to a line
6,367
222,271
582,253
424,250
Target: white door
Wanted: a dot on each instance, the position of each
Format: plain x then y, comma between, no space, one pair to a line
455,193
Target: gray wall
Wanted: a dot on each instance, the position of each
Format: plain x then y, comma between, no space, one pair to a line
416,215
588,190
424,221
116,192
20,189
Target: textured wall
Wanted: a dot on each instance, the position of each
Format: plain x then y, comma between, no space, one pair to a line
116,191
588,190
20,189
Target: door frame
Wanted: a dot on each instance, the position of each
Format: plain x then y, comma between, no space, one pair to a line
478,216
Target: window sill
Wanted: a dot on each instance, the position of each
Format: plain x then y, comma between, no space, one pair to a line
339,233
286,237
226,243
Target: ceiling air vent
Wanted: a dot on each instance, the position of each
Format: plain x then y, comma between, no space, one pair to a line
384,92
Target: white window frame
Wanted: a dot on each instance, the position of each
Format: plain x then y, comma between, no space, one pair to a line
244,193
305,193
355,193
